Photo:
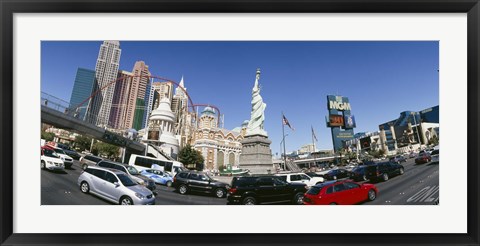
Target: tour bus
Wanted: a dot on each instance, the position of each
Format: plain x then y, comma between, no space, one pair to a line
146,162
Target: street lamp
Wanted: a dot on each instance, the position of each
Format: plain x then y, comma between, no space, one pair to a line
284,157
416,126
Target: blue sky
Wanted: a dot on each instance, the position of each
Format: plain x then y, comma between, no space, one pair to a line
381,79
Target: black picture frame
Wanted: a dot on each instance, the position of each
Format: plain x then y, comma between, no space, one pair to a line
9,7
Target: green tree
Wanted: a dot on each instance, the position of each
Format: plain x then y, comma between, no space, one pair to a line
188,155
48,136
83,142
105,149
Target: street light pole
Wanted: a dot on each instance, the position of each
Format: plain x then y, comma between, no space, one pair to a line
416,126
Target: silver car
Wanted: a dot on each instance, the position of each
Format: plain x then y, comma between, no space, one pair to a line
115,186
131,172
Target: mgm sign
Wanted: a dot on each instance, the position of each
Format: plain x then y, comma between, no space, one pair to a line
340,120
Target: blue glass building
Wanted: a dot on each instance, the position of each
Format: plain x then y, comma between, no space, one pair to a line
400,125
82,89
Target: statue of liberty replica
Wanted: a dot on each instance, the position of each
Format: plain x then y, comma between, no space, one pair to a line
256,153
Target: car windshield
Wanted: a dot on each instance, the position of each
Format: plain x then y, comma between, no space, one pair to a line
208,176
126,181
314,190
50,153
60,151
132,170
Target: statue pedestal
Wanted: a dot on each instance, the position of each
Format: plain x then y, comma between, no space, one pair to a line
256,154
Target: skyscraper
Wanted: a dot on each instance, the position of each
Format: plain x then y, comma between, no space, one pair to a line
183,121
82,88
120,99
136,98
106,71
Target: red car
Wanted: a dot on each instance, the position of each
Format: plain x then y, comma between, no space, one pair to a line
345,192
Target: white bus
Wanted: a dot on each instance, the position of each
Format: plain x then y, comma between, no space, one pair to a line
145,162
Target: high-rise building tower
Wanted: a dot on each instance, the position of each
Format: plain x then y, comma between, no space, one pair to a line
183,123
120,99
106,71
82,88
136,98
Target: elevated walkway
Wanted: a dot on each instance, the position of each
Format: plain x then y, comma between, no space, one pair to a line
64,121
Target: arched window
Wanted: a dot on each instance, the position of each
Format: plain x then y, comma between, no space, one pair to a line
231,159
220,159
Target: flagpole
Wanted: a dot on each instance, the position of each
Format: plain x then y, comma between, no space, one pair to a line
284,151
313,141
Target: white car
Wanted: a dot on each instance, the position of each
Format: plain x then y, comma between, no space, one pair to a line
67,160
50,160
300,178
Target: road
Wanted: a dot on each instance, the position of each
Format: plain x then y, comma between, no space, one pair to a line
60,188
419,185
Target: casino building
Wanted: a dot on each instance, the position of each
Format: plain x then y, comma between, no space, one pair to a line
219,147
411,128
410,131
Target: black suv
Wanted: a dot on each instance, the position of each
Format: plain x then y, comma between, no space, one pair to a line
251,190
383,170
187,181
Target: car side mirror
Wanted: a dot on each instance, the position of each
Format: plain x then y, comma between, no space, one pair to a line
116,184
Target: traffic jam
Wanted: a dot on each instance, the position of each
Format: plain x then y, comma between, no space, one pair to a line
406,179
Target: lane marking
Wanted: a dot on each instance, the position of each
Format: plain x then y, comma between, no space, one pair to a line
425,195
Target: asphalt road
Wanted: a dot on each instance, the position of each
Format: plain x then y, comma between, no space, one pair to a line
419,185
60,188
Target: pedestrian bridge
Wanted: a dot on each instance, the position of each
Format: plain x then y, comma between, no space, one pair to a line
68,122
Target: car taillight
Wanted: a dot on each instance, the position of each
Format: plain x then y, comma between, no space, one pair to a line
232,190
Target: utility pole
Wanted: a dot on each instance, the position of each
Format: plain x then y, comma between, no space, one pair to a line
284,151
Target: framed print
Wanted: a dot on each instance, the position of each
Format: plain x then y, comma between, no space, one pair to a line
221,77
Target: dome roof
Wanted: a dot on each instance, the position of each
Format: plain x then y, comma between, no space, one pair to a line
163,112
208,111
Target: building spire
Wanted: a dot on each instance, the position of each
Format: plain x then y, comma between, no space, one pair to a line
181,82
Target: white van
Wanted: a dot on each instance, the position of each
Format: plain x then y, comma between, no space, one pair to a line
146,162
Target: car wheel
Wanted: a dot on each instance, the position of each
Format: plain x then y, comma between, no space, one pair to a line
84,187
182,189
298,199
402,171
385,177
220,192
372,195
249,201
126,201
84,166
169,184
42,165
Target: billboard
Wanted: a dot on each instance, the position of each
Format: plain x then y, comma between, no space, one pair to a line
350,121
335,120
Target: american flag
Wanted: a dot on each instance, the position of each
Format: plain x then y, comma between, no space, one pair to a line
285,122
